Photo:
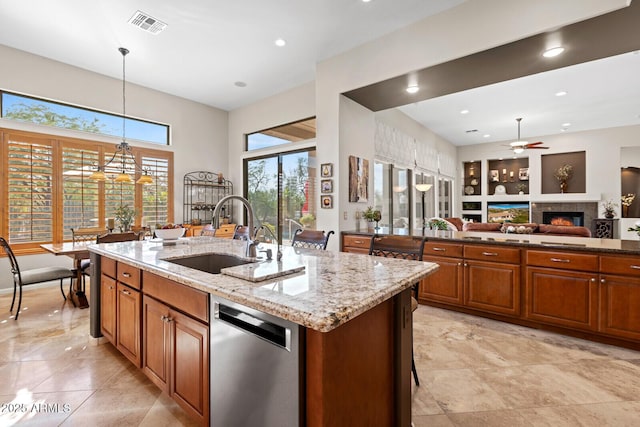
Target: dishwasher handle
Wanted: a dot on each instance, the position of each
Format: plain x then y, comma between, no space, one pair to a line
246,322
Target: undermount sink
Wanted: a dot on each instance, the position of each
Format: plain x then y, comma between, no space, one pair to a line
210,263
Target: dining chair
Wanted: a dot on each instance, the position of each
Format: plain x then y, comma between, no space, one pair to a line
311,239
403,247
85,235
125,236
32,276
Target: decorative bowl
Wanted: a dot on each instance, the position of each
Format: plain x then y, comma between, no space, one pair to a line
169,233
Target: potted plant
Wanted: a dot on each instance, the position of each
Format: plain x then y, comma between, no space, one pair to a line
125,216
609,208
521,188
372,216
438,224
626,201
307,220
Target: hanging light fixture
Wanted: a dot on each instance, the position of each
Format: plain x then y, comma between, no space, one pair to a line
123,150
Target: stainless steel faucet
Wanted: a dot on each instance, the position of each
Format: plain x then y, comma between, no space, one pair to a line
251,244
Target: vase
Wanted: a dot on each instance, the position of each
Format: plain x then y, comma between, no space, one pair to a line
609,215
625,211
371,225
563,186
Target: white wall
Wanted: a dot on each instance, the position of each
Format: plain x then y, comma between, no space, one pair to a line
471,27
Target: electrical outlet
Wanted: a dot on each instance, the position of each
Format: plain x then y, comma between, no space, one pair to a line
346,215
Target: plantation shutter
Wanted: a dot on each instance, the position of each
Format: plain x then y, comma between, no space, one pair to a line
81,195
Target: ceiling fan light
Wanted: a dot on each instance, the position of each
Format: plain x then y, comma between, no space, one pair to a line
123,178
519,143
518,150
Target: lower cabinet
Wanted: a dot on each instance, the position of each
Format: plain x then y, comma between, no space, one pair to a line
562,297
176,356
356,244
108,291
619,302
492,287
445,284
128,323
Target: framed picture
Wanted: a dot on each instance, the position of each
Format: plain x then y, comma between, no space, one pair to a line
326,170
358,179
523,174
326,202
494,175
326,186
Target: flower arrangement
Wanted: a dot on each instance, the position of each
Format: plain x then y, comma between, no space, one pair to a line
628,199
609,208
564,173
372,215
438,224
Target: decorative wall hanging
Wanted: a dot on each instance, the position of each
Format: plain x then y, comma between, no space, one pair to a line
358,179
326,202
326,170
326,186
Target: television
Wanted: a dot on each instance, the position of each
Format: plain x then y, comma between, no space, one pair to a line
516,212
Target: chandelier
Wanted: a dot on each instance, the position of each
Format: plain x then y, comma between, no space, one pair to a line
123,150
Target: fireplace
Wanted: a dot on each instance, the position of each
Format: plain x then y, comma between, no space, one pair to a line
563,218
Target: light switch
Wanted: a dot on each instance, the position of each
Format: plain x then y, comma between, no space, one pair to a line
346,215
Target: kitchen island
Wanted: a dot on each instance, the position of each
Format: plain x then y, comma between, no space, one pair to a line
579,286
345,318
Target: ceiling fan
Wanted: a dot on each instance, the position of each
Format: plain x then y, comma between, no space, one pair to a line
519,146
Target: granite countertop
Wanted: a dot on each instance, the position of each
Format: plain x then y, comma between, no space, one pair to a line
333,288
587,244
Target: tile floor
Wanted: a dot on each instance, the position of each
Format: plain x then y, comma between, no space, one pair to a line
473,372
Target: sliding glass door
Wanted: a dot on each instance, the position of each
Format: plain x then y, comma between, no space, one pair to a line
281,189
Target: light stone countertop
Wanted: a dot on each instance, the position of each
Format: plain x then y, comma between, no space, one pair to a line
333,288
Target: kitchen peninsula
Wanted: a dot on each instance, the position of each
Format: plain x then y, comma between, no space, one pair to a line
579,286
323,346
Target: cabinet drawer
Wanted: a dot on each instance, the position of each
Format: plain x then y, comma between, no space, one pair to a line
629,266
435,248
563,260
190,301
108,267
492,253
363,242
129,275
226,231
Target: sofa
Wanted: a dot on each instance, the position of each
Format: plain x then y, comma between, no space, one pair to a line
529,228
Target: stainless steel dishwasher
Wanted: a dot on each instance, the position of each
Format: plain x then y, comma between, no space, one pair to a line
256,371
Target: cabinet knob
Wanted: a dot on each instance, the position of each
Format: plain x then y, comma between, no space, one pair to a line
125,274
126,292
603,281
593,280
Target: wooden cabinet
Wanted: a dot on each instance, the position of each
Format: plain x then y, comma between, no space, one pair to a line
492,279
356,244
446,283
108,290
120,306
620,296
562,291
128,323
176,345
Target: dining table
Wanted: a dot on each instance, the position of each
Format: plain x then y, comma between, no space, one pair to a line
78,251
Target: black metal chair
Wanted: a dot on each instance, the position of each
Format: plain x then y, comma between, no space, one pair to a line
32,276
311,239
403,247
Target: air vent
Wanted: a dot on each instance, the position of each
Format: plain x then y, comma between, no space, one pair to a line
147,22
471,130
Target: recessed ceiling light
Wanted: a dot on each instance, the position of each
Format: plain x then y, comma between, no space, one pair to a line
464,112
366,1
412,88
240,84
561,93
554,51
486,135
280,42
564,125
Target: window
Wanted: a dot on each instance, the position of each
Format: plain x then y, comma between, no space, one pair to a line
286,134
45,187
445,200
39,111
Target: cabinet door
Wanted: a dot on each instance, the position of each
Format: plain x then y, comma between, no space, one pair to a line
619,302
156,338
445,284
108,307
190,365
128,323
492,286
562,297
356,244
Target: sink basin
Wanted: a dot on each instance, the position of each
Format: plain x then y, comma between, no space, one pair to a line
209,263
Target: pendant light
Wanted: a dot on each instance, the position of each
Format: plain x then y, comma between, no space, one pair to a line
123,149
